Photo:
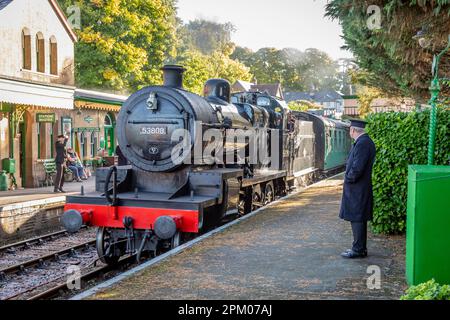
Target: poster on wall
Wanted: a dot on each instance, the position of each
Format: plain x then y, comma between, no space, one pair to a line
66,128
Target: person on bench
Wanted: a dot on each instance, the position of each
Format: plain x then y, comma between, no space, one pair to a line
74,164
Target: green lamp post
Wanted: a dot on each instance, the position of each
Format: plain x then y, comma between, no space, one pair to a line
435,89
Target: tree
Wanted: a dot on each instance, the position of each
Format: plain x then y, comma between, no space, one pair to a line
123,43
207,36
201,67
204,49
397,64
319,71
294,69
303,105
365,97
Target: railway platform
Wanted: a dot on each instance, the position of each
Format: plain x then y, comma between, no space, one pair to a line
289,250
33,194
26,213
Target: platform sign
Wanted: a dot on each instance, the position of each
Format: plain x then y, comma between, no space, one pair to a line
45,117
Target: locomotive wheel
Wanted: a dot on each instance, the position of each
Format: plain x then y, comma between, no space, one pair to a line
256,201
269,194
106,250
176,240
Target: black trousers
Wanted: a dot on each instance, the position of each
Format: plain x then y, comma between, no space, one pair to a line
359,236
59,177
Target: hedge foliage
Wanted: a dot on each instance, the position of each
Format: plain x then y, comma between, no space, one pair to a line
401,140
430,290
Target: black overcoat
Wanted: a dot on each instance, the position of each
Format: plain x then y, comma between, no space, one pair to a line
61,153
357,200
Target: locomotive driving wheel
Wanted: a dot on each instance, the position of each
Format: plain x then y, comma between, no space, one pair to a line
106,249
257,197
269,194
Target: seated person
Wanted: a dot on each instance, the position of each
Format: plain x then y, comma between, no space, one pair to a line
74,164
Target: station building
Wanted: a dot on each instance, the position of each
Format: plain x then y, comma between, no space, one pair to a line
38,98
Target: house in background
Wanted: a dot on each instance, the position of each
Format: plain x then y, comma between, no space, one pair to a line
275,90
351,105
241,86
331,101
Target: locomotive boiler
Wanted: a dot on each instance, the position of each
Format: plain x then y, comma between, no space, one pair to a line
171,191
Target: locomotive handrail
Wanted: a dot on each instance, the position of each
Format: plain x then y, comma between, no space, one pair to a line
112,172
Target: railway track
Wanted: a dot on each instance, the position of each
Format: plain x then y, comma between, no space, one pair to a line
11,248
59,288
28,265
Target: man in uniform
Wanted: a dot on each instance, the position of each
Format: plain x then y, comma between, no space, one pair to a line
61,155
357,200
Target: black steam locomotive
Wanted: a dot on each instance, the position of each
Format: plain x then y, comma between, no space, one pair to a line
171,190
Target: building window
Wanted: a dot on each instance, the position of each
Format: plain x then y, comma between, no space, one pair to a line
53,56
40,52
83,148
26,49
94,144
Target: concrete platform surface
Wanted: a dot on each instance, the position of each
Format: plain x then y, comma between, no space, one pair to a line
290,250
32,194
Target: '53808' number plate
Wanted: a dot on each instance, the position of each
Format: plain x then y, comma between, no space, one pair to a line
157,131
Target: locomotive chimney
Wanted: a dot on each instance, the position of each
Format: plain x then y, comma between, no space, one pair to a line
173,76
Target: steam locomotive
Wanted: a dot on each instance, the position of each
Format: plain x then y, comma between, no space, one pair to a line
170,191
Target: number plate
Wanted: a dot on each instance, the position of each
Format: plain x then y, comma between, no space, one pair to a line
154,131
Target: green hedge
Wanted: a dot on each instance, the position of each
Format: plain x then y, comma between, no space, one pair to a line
430,290
401,139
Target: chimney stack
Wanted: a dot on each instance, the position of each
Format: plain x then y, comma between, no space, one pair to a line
173,76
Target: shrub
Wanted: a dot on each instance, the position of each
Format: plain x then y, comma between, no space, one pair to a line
401,140
430,290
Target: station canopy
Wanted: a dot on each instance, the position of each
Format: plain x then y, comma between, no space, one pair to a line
38,95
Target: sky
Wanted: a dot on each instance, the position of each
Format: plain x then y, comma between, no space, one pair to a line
281,24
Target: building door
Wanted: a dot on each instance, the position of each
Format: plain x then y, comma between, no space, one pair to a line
22,152
109,135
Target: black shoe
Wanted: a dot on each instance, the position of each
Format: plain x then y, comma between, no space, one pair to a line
350,254
56,191
62,190
364,253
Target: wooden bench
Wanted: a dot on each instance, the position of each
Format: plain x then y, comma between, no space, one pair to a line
50,172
